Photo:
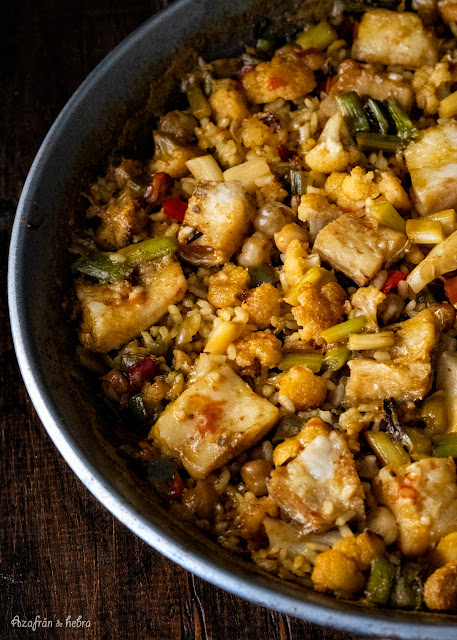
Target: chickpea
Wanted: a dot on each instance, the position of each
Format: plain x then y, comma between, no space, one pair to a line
255,250
255,474
269,220
288,233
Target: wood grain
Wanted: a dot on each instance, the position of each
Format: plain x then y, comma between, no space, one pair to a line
62,554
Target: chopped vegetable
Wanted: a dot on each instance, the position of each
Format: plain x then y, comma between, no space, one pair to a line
424,231
393,280
377,110
336,358
448,219
101,267
314,277
158,189
364,341
199,105
450,286
368,141
205,168
380,582
445,446
434,412
151,249
222,335
441,259
262,273
298,180
386,214
341,331
417,444
405,127
407,592
320,36
174,208
353,113
390,453
141,372
312,360
137,409
251,174
448,106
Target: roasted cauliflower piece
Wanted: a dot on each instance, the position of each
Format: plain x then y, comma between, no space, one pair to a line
113,314
319,310
390,38
407,376
286,77
358,248
448,10
423,498
440,589
319,486
370,83
330,154
363,549
215,419
431,84
335,571
228,151
170,156
306,390
261,346
226,287
222,213
365,302
263,129
432,164
317,211
262,304
228,103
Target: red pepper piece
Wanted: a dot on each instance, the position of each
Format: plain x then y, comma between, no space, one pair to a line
285,154
276,83
177,487
393,279
450,287
116,386
174,208
157,191
247,68
141,372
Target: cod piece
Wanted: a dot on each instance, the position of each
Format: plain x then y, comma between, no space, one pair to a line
113,314
221,212
407,376
357,248
320,485
215,419
432,163
423,498
390,37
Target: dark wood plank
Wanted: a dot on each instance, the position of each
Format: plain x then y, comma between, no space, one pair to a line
62,554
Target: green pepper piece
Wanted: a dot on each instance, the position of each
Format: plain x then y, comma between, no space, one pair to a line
262,273
445,446
137,408
380,582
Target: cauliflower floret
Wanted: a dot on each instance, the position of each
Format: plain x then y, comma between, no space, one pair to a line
295,262
423,498
282,77
227,285
306,390
265,347
320,485
316,210
222,213
263,303
363,549
319,310
334,571
369,83
263,128
391,37
365,302
170,157
228,152
431,84
448,10
391,188
329,154
228,103
440,589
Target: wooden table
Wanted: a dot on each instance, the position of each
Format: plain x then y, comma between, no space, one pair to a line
62,553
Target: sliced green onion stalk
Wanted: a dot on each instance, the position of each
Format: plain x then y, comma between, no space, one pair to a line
342,331
405,127
434,412
336,358
368,141
150,249
391,453
312,360
418,445
407,591
354,116
262,273
381,580
386,214
445,446
368,341
102,267
377,110
298,182
320,36
199,105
